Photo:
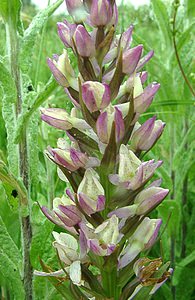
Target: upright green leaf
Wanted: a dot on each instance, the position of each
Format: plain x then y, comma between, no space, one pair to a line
10,12
10,262
8,111
191,9
162,19
31,34
38,101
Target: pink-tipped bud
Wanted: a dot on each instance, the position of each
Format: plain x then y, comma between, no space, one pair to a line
149,198
95,95
126,38
59,118
56,117
83,41
142,239
143,101
101,12
104,124
131,58
62,70
147,134
91,193
65,32
76,9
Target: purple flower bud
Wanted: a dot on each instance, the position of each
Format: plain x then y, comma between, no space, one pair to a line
83,41
142,239
102,127
56,117
65,32
64,213
101,12
144,60
131,58
104,124
147,134
126,38
95,95
91,193
62,70
73,4
58,73
59,118
69,214
143,76
103,239
72,159
132,172
149,198
119,125
143,101
114,20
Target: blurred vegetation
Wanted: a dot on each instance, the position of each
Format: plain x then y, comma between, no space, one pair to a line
174,104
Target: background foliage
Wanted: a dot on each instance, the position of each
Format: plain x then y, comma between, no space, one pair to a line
174,104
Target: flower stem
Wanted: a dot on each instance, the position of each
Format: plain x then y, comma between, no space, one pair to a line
26,231
177,54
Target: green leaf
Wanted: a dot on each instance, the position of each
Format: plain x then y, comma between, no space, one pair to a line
191,9
8,111
181,151
31,34
38,101
42,239
162,19
185,286
8,178
182,41
165,209
10,262
10,12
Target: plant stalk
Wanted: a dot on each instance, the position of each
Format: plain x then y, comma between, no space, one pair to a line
177,53
26,231
184,202
172,250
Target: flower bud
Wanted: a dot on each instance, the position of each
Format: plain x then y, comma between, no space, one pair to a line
64,213
132,173
143,100
71,159
90,192
68,251
67,247
147,134
126,38
102,240
57,117
144,202
101,12
62,70
131,58
95,95
72,5
65,32
104,124
142,239
60,119
128,163
83,41
149,198
144,60
114,20
76,10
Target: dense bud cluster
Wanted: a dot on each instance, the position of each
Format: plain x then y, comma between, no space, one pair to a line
105,213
